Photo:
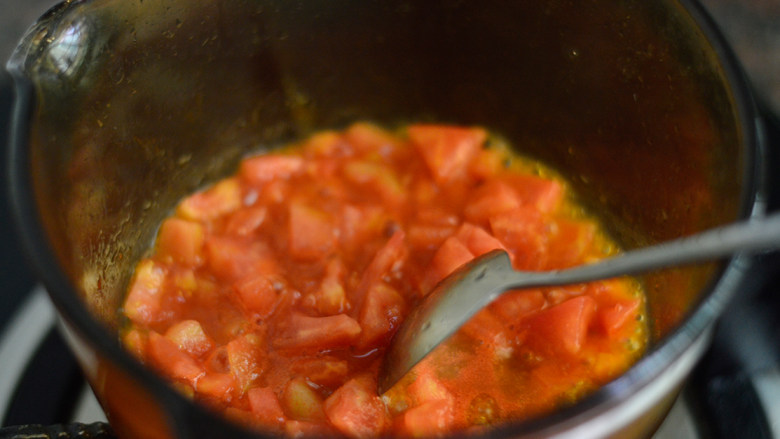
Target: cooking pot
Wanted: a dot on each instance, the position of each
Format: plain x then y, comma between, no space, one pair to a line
125,106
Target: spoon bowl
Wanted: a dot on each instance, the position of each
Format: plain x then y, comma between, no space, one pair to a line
478,283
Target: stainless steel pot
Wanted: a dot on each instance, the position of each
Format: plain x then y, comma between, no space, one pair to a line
124,106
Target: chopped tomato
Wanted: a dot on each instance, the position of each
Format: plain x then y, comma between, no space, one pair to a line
426,388
388,259
491,199
301,402
265,168
312,232
487,163
615,315
564,326
379,177
524,230
167,357
222,198
219,386
181,241
449,257
265,405
278,289
356,410
245,221
367,137
429,419
478,240
143,303
569,243
257,293
330,298
230,258
246,360
382,312
513,305
447,151
541,193
323,370
318,332
189,336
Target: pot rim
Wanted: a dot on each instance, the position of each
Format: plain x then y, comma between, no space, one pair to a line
647,369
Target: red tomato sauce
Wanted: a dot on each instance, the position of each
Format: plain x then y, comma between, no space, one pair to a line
271,295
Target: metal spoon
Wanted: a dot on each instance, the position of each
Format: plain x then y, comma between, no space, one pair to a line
475,285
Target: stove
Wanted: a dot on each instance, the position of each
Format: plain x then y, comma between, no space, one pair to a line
733,392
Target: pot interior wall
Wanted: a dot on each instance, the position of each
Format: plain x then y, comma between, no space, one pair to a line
159,97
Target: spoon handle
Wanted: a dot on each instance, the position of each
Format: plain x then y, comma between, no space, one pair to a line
749,236
472,287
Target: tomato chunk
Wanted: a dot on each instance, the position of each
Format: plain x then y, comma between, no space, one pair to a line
491,199
564,326
615,315
265,405
318,332
219,386
167,357
258,293
312,233
144,300
449,257
382,312
222,198
446,150
230,258
428,419
264,168
478,240
524,230
189,336
246,360
301,402
356,410
181,241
